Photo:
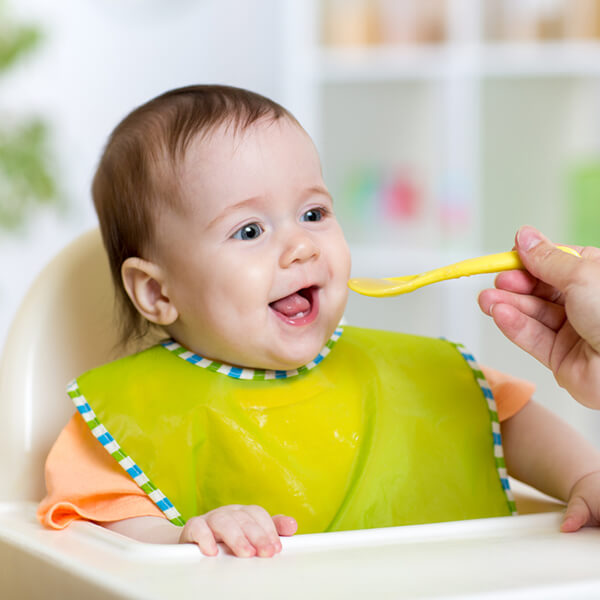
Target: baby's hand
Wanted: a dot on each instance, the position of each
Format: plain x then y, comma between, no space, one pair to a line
584,504
245,530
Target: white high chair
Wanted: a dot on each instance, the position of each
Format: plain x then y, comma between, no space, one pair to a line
63,328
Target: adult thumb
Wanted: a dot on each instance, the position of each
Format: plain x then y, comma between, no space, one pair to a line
543,259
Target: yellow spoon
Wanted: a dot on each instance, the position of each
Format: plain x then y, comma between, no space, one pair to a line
392,286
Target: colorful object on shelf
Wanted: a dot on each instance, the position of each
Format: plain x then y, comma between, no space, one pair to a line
381,195
399,197
350,23
532,20
361,190
376,22
584,205
393,286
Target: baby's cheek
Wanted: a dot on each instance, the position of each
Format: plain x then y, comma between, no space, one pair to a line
257,273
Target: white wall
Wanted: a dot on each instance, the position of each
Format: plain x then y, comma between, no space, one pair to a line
100,59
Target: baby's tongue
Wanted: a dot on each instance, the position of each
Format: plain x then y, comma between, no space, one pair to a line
291,305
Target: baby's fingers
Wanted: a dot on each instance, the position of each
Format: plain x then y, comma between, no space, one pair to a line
227,529
259,528
197,531
285,525
577,515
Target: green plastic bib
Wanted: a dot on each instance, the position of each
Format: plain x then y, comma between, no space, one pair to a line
388,429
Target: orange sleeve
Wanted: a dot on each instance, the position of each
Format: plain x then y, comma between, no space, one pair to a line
510,393
84,482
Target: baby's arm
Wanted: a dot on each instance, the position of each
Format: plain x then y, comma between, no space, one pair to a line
245,530
543,451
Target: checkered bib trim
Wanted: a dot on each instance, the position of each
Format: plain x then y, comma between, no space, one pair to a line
498,452
250,374
114,449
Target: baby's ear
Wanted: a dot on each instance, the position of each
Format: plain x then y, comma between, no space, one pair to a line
145,285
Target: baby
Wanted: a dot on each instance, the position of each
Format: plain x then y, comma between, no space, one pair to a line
259,415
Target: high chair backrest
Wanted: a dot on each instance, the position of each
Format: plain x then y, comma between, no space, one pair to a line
64,327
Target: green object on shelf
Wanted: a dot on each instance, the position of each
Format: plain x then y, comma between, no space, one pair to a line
361,190
584,205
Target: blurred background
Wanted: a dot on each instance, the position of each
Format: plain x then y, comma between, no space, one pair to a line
443,126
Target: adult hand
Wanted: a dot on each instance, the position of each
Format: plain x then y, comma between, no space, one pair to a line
552,311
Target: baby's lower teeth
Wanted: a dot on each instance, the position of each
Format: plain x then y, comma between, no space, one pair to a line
300,314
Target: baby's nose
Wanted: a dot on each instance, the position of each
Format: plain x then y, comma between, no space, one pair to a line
299,247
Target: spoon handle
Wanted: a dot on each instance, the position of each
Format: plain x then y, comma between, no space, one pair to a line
491,263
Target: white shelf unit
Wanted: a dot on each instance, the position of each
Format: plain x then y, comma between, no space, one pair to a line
489,130
479,60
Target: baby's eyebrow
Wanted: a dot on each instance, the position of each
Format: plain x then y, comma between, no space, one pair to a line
318,189
233,208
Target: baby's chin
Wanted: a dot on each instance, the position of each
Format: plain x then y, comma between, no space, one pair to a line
283,362
283,365
282,354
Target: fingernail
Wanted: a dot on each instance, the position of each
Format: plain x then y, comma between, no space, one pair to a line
528,238
490,310
267,551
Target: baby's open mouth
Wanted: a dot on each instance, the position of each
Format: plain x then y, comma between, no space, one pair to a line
297,307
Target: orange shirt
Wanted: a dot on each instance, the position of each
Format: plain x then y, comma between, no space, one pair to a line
84,482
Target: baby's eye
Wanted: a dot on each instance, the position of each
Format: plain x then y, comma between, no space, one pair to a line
314,214
248,232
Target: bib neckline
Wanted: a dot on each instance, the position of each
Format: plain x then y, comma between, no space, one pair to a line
248,373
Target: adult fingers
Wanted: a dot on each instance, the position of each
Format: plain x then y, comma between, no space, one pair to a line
589,252
549,314
518,281
543,259
527,333
522,282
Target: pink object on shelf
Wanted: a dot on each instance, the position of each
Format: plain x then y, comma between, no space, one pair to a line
400,198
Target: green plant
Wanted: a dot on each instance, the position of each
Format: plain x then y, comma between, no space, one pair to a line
26,179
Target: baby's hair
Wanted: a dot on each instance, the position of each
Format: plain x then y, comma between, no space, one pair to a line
137,174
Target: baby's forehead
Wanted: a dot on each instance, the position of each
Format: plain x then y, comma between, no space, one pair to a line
204,143
234,161
230,149
232,133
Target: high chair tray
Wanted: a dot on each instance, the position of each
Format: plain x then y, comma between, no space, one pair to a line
508,557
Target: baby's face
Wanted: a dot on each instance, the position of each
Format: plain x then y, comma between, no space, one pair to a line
256,263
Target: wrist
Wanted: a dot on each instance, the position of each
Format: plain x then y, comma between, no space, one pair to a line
583,480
